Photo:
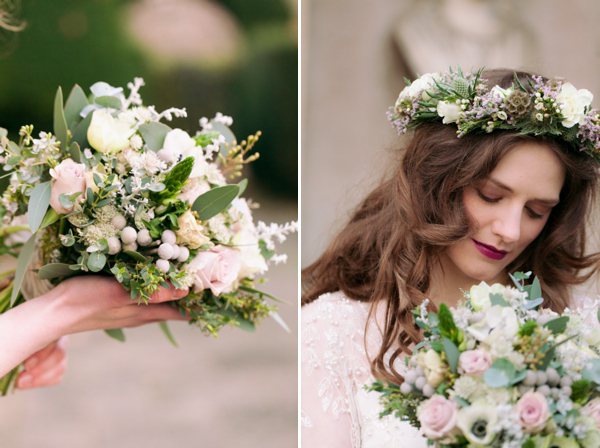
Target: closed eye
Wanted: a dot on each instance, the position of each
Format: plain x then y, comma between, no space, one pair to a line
486,198
533,214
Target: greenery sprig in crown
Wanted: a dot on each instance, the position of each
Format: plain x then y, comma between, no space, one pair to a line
548,107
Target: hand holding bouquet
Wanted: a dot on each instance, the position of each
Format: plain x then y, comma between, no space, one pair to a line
498,371
116,192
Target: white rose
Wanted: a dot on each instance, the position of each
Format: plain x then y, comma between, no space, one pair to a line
448,111
573,103
67,178
423,84
499,92
190,232
499,322
252,260
480,295
107,134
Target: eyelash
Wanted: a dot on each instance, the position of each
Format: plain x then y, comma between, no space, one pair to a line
531,213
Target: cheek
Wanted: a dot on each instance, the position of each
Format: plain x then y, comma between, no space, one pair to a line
531,230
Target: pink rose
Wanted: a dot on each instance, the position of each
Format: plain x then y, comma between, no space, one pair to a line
67,178
475,362
532,409
593,410
437,416
216,269
193,189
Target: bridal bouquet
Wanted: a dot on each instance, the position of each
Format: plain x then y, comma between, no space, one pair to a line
498,371
113,191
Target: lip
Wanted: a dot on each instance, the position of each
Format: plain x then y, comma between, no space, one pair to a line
490,251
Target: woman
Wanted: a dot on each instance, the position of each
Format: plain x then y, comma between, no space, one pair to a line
454,212
34,331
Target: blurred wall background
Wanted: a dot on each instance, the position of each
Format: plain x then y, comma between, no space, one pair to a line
355,55
232,56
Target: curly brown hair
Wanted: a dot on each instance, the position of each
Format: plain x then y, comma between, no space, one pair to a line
394,239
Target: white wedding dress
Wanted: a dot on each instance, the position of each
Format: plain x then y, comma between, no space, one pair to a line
337,412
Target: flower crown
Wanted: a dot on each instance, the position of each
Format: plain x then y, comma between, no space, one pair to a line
549,107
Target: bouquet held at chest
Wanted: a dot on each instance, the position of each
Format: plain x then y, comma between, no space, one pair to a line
500,371
114,191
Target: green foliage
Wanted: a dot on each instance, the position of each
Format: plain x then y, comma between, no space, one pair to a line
527,328
38,204
394,402
580,391
60,123
452,353
116,333
500,374
447,326
557,325
154,134
215,201
176,179
22,263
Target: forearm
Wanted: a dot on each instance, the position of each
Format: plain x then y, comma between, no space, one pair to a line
27,328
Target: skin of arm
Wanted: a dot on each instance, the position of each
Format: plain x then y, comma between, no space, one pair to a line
75,305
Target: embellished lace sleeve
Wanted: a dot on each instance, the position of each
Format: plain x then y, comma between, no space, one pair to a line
333,367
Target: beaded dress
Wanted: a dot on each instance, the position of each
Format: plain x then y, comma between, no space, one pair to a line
336,410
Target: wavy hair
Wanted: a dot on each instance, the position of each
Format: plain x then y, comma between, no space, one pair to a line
393,241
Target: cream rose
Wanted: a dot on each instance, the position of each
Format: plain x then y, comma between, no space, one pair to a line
433,366
475,362
190,232
217,269
437,416
448,111
573,103
532,410
107,134
67,178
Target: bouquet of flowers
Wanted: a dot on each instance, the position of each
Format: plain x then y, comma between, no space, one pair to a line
113,191
499,371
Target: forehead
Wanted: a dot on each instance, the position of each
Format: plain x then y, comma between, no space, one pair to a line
533,169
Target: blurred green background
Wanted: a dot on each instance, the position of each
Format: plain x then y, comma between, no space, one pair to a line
230,56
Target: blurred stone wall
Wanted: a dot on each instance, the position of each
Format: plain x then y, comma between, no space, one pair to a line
356,53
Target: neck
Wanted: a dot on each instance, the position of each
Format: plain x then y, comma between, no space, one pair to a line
448,283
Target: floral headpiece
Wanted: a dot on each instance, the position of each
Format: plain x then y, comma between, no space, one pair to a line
552,107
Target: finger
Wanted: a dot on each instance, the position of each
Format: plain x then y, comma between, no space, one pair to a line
42,354
171,293
50,360
155,313
50,377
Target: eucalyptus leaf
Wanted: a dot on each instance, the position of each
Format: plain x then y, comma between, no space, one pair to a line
497,299
242,184
60,123
262,293
64,200
243,323
38,204
536,290
108,101
214,201
165,329
76,101
516,281
462,402
591,371
500,373
14,148
54,270
22,262
96,261
135,255
533,303
75,152
116,333
154,134
452,353
557,325
519,377
225,132
80,133
3,132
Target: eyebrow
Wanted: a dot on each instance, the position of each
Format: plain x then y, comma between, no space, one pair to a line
549,202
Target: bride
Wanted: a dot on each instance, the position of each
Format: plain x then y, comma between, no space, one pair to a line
454,212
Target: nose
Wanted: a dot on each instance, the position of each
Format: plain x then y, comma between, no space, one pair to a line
507,224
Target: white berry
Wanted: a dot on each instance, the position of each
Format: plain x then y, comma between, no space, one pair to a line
114,245
420,382
143,237
428,390
132,246
184,253
165,251
128,235
119,222
169,237
163,265
176,251
405,388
